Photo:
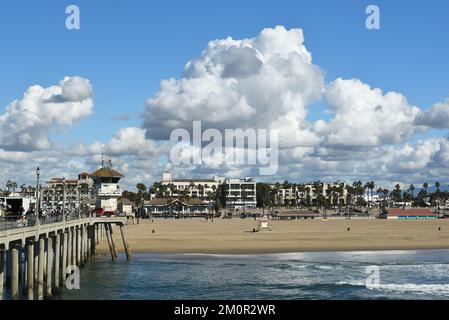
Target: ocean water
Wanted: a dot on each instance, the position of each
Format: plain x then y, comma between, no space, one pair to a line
321,275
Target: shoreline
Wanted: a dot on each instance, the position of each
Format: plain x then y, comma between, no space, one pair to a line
105,253
234,236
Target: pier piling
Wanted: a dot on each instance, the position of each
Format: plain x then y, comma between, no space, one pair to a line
65,250
97,234
78,246
30,271
36,261
57,258
2,271
14,273
69,251
85,246
109,237
49,266
81,244
112,240
125,244
40,283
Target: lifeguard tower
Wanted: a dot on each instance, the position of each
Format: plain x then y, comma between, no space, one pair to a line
106,190
263,223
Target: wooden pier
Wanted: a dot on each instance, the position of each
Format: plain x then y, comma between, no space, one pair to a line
36,261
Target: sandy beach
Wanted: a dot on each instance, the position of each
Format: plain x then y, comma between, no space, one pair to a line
236,236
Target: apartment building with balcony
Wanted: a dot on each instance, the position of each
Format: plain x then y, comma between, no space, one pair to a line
189,188
310,193
237,193
59,192
68,193
240,193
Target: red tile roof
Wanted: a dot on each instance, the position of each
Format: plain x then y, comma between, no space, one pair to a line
394,212
106,172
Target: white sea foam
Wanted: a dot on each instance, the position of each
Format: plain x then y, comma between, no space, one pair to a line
432,289
423,289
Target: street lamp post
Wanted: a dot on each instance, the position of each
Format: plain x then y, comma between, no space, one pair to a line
38,173
63,198
79,201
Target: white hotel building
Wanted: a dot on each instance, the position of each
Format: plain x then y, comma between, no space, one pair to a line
194,188
239,193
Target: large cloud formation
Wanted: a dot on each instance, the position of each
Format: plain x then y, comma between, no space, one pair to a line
363,118
262,82
27,122
270,81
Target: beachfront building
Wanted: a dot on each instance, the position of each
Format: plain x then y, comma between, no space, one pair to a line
106,189
176,207
237,193
310,194
59,192
124,205
410,214
15,205
85,180
286,195
240,193
70,193
296,215
188,188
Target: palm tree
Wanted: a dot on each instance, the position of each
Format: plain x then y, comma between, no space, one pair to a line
277,187
370,186
201,191
11,184
397,192
358,190
437,185
412,189
437,193
318,190
425,186
243,195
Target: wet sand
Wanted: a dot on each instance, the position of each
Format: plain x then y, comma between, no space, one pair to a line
236,236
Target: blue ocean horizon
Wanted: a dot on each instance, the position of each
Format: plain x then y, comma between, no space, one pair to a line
422,274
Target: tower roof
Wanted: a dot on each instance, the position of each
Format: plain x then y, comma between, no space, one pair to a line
106,172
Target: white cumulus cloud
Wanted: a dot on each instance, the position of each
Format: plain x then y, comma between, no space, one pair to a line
26,123
365,116
435,117
250,83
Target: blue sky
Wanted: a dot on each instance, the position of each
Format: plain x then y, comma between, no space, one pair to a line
126,47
